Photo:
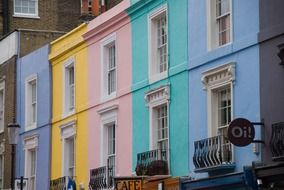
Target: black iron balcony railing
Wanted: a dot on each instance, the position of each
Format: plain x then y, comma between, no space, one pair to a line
277,141
212,153
103,177
154,162
59,183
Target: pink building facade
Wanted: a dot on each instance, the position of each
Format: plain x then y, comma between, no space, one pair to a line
109,82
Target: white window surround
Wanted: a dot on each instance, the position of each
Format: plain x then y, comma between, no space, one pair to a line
30,144
105,43
2,108
154,74
28,102
215,79
108,117
26,14
213,27
68,108
154,99
67,132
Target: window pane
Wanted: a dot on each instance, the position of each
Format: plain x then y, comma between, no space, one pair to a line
222,7
111,78
25,6
224,29
224,107
111,139
162,43
162,130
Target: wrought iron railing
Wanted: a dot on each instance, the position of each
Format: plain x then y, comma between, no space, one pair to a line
212,152
277,141
59,183
154,162
103,177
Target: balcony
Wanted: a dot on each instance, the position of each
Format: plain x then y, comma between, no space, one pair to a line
277,142
59,183
102,177
154,162
213,154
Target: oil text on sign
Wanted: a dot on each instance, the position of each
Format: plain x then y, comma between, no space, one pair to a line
241,132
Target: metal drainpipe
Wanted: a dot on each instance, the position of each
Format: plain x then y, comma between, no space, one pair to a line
6,27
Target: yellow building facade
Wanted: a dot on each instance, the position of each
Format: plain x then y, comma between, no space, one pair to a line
69,149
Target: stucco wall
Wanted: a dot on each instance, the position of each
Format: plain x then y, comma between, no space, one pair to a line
36,63
177,80
244,52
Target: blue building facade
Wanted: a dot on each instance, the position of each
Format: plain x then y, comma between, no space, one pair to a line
223,56
159,87
33,115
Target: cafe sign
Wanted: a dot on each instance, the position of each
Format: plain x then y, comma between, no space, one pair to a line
128,183
241,132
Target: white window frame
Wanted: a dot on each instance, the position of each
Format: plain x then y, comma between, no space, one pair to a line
68,131
68,109
2,116
105,44
29,15
108,117
2,151
214,80
154,99
153,67
213,26
30,144
28,102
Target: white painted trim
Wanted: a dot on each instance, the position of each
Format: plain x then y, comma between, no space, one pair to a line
107,118
67,131
212,26
214,79
153,75
110,39
67,63
30,143
30,79
154,99
107,109
157,96
2,88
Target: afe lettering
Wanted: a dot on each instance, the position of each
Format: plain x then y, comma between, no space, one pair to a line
128,185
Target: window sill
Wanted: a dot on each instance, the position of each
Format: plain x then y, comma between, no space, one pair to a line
30,127
156,77
26,16
215,48
106,98
67,114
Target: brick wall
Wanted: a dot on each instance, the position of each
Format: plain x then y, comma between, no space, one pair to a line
32,40
56,15
7,73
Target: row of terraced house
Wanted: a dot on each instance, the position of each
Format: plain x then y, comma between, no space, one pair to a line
139,94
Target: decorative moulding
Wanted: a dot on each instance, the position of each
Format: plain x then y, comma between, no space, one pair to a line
157,95
218,75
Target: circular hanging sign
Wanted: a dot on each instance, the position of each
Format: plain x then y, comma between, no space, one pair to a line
241,132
